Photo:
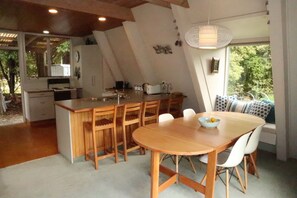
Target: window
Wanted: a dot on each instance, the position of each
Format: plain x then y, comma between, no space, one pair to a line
250,71
47,56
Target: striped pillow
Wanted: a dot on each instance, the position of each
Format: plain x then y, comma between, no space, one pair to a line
238,106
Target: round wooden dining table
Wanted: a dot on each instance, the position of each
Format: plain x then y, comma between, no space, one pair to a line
185,136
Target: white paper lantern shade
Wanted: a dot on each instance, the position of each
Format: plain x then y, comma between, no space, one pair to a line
208,37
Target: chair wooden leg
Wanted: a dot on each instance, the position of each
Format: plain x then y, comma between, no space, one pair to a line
162,158
192,164
203,179
227,183
254,164
125,143
245,172
240,180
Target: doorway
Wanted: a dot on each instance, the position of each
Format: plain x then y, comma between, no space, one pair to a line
10,82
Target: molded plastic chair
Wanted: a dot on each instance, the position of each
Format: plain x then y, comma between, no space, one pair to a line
187,113
3,105
103,118
163,118
249,149
231,159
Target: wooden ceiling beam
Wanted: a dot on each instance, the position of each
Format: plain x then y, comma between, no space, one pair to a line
88,6
159,3
183,3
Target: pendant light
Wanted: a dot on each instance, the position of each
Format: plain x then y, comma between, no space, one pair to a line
208,36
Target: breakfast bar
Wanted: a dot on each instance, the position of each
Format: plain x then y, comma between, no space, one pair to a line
70,115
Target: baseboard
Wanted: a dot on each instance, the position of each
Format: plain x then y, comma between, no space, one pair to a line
267,147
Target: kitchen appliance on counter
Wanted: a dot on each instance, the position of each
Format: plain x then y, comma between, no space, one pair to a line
152,89
62,89
122,85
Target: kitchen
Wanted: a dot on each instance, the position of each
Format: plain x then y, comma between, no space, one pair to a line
126,53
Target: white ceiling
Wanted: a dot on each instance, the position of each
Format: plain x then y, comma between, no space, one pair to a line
251,28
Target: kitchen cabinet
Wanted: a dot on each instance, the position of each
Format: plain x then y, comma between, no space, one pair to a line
88,62
39,105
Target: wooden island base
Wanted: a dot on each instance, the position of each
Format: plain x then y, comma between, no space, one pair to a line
71,114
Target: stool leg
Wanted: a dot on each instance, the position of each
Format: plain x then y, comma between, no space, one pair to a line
85,146
95,149
115,144
125,142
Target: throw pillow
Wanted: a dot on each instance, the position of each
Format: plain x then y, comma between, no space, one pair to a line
260,109
238,106
221,102
271,116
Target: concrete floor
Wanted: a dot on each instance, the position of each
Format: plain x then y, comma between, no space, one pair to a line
55,177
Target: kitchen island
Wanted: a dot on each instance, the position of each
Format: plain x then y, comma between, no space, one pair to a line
70,115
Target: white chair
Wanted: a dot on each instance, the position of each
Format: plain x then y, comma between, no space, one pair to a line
3,105
231,159
163,118
187,113
249,149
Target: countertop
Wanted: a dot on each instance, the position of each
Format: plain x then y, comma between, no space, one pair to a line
39,90
87,104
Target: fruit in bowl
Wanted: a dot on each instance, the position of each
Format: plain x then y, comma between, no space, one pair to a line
209,122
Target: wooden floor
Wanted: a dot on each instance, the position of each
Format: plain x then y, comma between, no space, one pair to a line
24,142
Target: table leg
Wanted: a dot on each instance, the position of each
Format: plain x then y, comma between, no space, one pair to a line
155,160
211,174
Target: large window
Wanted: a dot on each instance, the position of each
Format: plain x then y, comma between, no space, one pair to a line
250,72
47,56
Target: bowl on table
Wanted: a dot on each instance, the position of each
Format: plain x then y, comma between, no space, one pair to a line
209,122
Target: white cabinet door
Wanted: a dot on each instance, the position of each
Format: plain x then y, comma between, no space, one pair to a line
41,106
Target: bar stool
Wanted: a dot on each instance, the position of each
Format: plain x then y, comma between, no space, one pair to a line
150,111
131,116
175,106
103,118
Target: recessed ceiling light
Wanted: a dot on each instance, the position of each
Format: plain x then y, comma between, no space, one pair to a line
53,11
45,32
102,19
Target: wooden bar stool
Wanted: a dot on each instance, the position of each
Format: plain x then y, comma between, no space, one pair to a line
150,111
103,118
132,119
175,105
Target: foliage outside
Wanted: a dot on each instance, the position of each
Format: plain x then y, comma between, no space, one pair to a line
9,71
59,55
250,71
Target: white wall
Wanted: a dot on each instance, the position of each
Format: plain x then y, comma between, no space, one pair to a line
126,60
156,27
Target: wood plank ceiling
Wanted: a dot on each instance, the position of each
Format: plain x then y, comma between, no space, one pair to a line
74,17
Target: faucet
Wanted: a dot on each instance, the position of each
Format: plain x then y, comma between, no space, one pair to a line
118,96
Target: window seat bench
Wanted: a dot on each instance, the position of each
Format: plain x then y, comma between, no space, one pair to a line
268,134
